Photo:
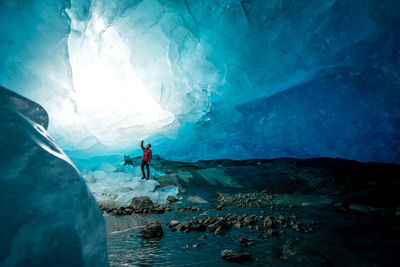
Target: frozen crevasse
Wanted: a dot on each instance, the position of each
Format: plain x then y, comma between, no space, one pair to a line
210,79
48,217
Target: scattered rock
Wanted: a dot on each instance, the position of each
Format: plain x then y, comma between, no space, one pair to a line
152,230
257,199
190,209
196,245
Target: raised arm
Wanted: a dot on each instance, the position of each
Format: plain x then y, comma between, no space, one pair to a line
141,144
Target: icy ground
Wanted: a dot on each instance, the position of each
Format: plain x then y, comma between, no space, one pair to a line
114,185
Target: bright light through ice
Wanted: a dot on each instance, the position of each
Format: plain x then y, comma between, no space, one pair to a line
111,101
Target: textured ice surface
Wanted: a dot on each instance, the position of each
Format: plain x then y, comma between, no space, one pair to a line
48,217
114,185
212,78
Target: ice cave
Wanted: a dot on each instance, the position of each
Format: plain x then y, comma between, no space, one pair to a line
273,129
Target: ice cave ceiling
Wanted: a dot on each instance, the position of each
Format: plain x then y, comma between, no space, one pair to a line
210,79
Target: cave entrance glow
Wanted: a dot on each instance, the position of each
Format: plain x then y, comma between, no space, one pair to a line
110,101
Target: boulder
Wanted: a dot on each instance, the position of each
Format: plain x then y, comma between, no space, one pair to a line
152,230
140,204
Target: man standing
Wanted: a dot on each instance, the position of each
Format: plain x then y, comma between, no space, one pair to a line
146,160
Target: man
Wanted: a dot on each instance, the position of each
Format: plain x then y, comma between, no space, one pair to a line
146,160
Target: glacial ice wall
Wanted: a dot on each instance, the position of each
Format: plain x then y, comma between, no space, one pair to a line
211,79
48,216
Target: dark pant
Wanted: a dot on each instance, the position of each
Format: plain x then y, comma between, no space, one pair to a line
147,167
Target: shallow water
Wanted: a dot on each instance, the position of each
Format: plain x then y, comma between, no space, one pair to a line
336,242
342,238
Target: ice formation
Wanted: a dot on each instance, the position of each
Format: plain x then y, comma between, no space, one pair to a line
210,79
48,217
115,185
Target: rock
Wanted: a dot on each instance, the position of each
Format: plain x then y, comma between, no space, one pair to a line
142,204
198,227
296,227
173,223
243,239
219,227
221,207
268,223
397,212
204,237
360,208
272,232
171,199
183,227
158,210
231,255
281,219
238,225
196,245
197,200
152,230
249,220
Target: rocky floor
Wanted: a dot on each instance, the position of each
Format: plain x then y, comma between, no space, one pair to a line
322,212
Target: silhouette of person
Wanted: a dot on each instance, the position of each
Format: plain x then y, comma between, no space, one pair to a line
146,160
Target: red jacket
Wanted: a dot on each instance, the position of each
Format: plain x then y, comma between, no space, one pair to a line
146,153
